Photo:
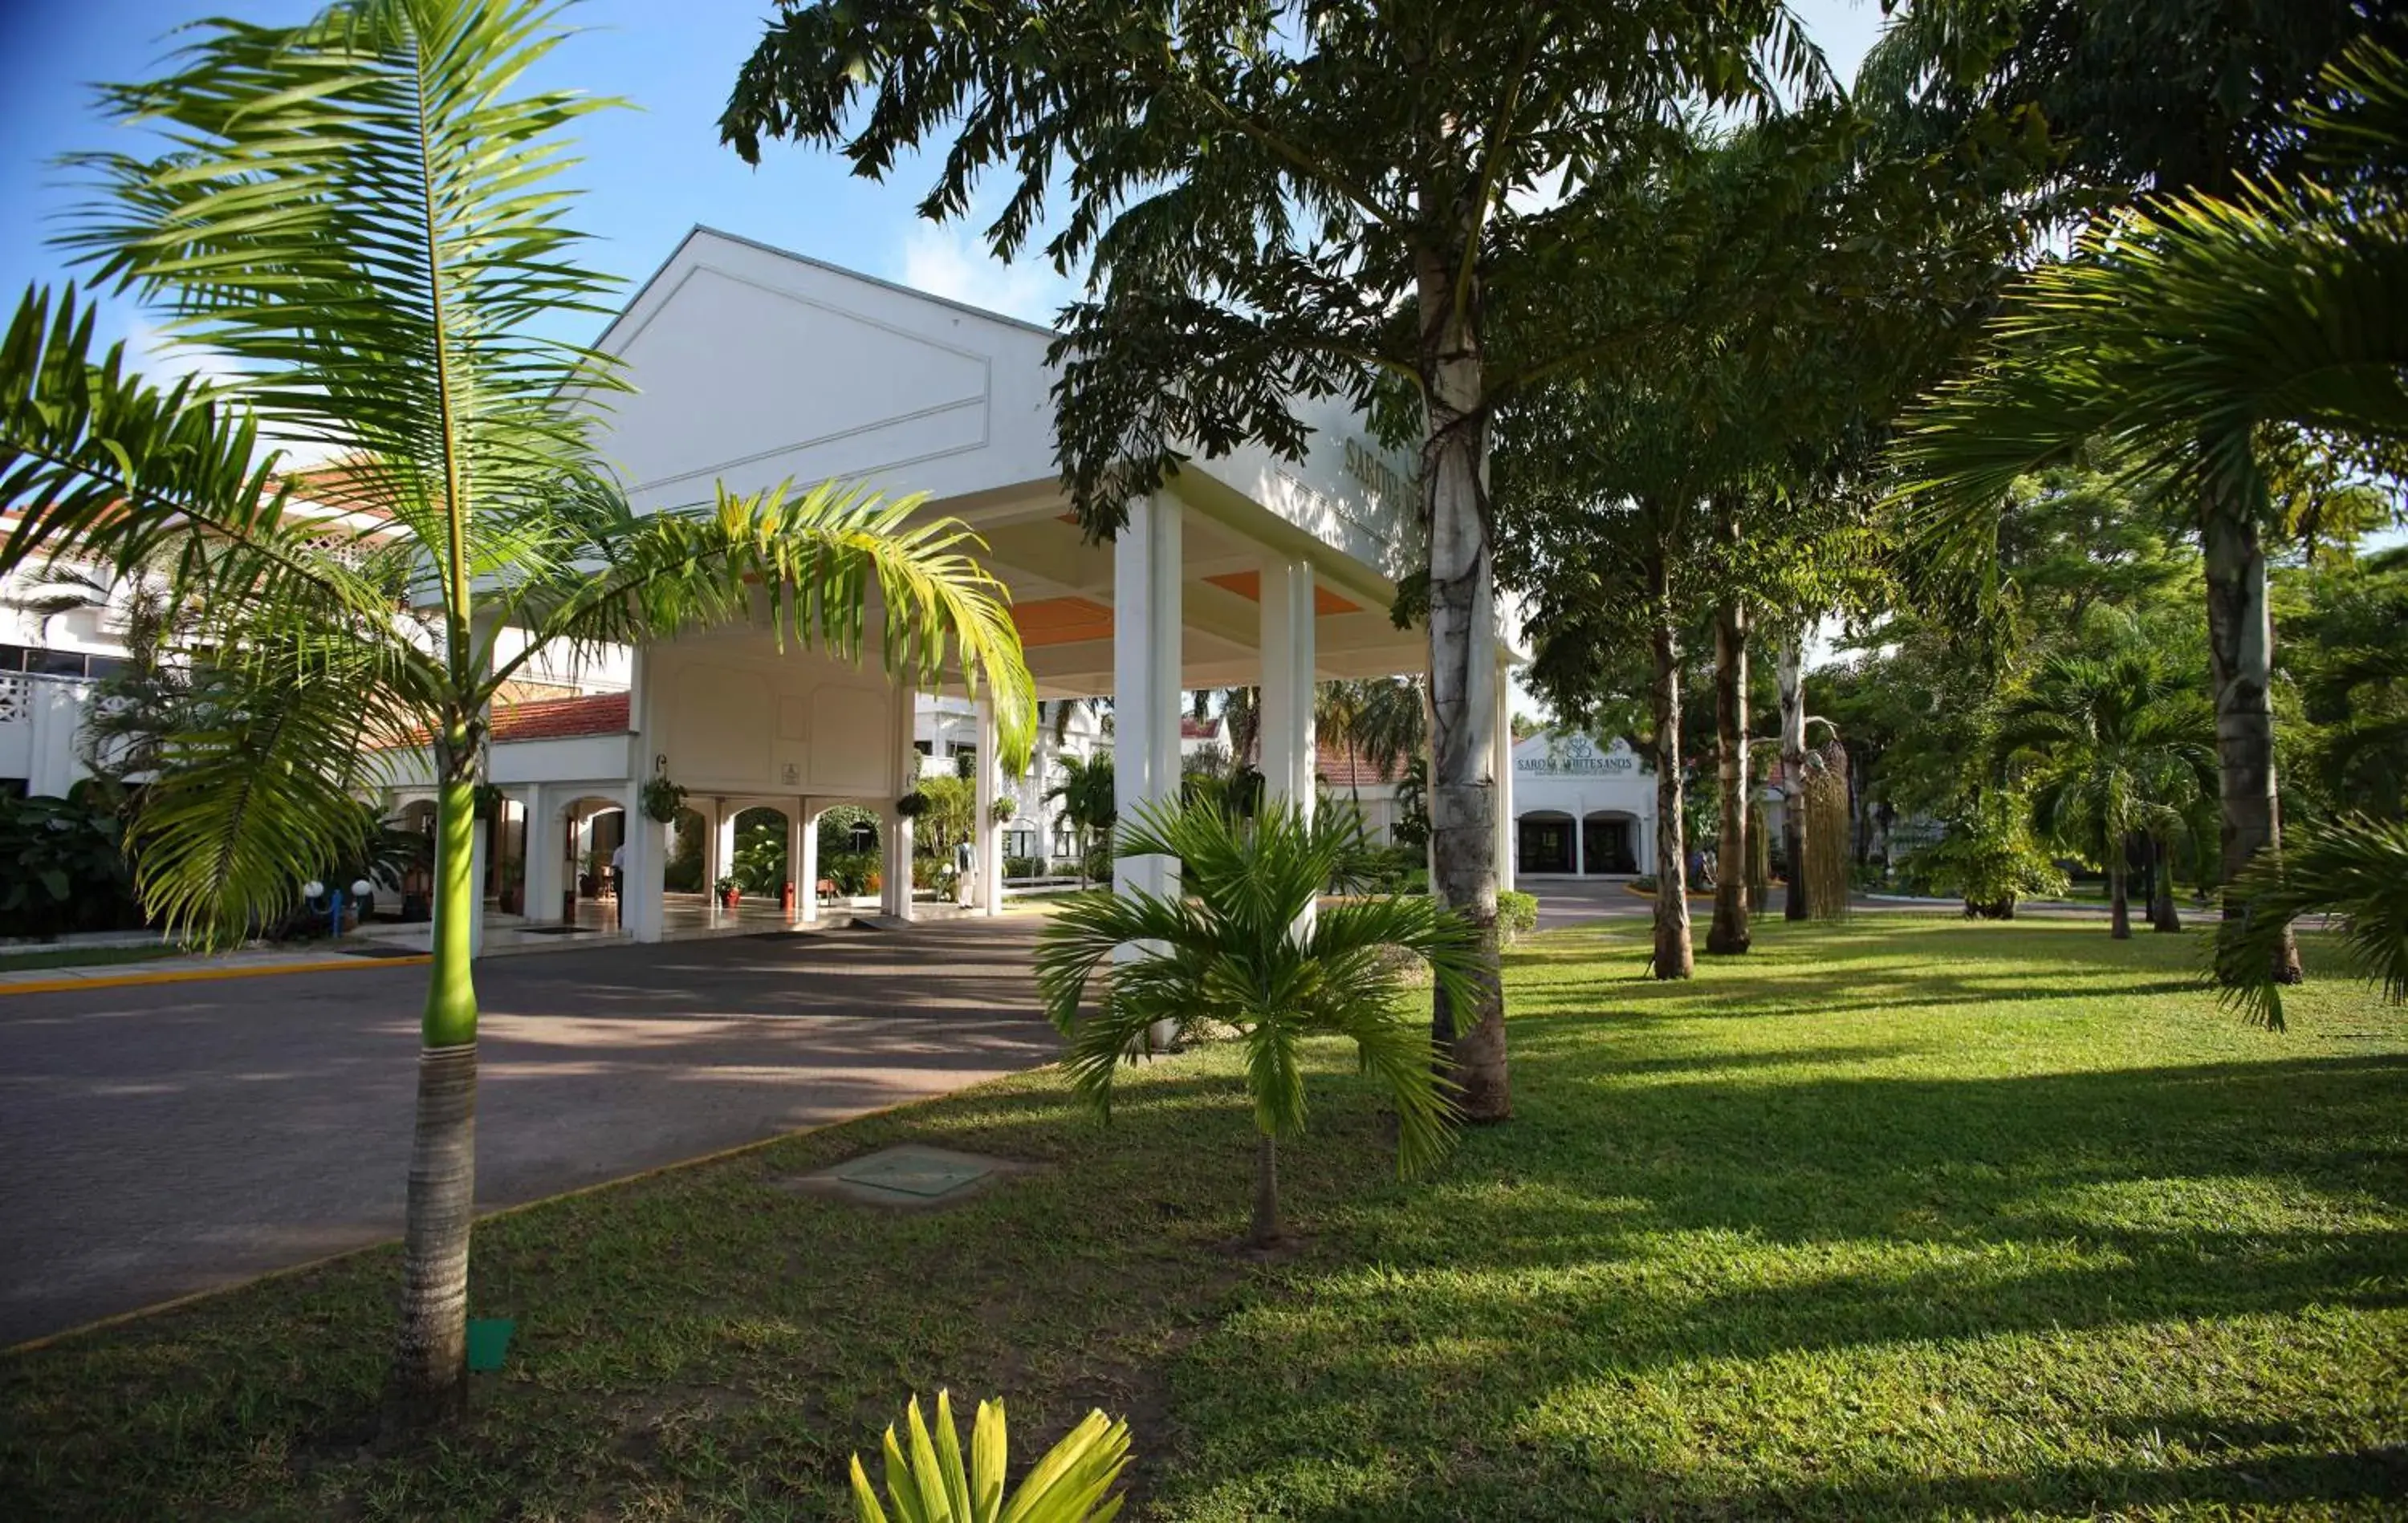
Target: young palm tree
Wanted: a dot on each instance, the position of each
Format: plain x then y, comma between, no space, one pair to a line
1088,801
1239,951
2110,748
356,213
2186,332
2354,868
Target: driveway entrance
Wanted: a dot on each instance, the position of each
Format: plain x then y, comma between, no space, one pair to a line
173,1138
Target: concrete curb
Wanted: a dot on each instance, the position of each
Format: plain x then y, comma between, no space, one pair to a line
191,975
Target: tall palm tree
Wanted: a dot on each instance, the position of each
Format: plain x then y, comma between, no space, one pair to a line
1088,800
357,214
2112,747
1377,721
2183,333
1238,950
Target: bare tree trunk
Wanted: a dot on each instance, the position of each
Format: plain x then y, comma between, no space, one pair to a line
1674,957
2241,657
1792,776
429,1383
1265,1230
1463,684
2163,917
2119,888
1729,935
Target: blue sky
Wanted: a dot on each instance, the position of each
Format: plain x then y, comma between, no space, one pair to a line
651,172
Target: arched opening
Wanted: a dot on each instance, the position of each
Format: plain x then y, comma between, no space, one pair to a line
418,882
1610,842
1545,842
760,866
593,831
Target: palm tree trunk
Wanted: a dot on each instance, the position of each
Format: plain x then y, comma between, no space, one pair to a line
1265,1230
1674,957
429,1383
1729,935
2120,896
2240,657
2163,917
1793,778
1463,684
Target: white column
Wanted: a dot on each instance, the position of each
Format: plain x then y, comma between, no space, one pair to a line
986,836
723,836
1289,754
539,891
648,840
1146,658
895,897
803,861
1501,785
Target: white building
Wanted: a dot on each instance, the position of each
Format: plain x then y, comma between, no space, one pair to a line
1585,809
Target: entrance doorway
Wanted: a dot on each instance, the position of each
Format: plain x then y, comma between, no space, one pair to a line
1606,844
1546,844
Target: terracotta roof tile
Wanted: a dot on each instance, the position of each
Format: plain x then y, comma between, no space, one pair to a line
562,718
1341,768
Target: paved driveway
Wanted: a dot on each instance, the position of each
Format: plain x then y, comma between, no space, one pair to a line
167,1139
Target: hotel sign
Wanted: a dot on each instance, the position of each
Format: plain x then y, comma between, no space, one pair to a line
1577,756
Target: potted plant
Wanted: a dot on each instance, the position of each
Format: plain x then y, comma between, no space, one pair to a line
662,800
730,893
911,805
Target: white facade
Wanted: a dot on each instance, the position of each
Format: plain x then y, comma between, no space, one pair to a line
752,367
1582,808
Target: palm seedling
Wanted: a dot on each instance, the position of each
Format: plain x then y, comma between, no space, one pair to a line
932,1481
1246,945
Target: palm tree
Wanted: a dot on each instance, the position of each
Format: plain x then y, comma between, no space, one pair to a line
2186,332
2112,748
357,214
1088,801
2353,867
1239,950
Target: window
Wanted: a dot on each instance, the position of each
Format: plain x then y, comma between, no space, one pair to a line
101,666
12,658
925,747
55,662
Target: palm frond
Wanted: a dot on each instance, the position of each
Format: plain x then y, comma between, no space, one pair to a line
2354,868
813,565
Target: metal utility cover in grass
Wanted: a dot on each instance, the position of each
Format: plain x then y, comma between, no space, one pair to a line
908,1175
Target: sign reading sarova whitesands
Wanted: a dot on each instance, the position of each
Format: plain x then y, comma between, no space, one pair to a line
1577,756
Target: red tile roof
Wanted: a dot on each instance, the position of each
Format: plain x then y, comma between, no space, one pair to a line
1342,769
1190,728
562,718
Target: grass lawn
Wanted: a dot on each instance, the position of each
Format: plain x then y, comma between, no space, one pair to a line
1908,1218
85,957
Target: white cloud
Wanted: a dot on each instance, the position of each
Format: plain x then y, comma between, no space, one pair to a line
949,259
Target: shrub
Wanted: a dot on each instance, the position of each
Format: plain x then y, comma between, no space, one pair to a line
62,867
1644,883
1516,913
851,871
1023,867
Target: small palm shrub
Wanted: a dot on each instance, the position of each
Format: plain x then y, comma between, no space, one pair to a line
1243,946
1517,913
2354,868
934,1482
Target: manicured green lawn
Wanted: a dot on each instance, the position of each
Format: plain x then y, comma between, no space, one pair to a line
1909,1220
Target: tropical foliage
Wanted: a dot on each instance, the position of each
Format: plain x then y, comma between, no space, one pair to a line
1247,946
1088,802
2353,869
932,1481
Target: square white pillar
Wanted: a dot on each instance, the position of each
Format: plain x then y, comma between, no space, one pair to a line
1289,753
803,861
1146,658
723,853
476,859
895,897
986,836
539,889
1501,787
647,840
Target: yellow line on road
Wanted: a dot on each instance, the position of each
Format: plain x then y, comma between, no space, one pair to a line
189,976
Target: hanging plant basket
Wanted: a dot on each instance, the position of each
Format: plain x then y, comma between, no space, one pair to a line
662,800
1001,810
911,805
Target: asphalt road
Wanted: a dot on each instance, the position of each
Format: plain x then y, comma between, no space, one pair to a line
166,1139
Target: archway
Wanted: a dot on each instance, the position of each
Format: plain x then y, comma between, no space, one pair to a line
759,863
1545,842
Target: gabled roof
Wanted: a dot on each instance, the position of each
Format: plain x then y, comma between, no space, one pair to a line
562,718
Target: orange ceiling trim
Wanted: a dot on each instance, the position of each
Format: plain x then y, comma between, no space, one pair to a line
1044,621
1249,585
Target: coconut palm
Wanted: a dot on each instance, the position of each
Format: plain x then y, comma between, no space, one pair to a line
357,216
1088,801
2183,333
1245,947
2354,868
2110,748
